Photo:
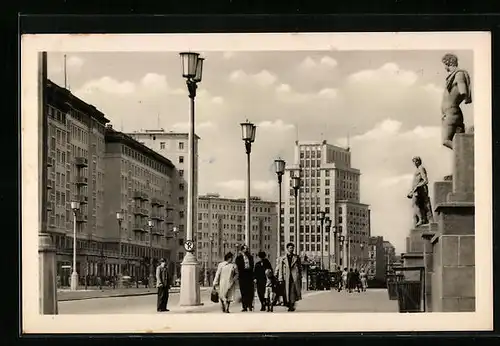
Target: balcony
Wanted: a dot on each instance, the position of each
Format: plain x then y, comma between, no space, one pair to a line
144,212
81,217
81,161
156,201
138,211
144,196
50,162
82,199
50,206
157,216
138,227
137,195
50,185
81,180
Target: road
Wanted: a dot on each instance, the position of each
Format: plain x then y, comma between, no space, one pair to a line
373,300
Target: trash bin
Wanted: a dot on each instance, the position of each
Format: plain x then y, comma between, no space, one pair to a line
409,295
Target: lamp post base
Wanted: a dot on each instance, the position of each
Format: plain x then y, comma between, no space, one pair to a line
74,281
190,286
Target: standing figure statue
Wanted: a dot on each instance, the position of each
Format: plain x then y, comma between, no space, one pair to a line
457,90
419,194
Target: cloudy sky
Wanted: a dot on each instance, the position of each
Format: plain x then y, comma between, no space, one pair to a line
388,103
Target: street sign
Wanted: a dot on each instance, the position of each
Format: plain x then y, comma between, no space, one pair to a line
189,245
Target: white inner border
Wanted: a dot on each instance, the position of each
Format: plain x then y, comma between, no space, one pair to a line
482,319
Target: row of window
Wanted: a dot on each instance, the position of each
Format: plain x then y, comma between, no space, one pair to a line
139,157
180,145
204,205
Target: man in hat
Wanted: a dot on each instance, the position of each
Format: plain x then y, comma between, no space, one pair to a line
162,283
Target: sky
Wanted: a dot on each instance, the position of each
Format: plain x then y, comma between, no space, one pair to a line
386,102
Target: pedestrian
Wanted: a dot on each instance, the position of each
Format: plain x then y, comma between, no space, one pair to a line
225,280
344,279
260,277
338,279
279,297
270,289
350,280
244,262
162,283
357,280
362,277
289,273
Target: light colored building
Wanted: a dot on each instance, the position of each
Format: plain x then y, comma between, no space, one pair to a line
389,253
353,221
139,182
75,173
174,146
329,184
224,218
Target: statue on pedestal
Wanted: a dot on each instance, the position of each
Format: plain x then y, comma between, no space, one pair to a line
457,90
419,194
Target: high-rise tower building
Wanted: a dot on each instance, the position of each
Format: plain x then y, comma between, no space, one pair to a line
329,184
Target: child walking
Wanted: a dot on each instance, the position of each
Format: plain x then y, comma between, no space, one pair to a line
271,287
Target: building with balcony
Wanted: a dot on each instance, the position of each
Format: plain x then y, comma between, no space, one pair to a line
389,254
376,268
140,183
329,184
75,173
221,228
174,146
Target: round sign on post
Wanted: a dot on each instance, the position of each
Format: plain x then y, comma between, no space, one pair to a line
189,246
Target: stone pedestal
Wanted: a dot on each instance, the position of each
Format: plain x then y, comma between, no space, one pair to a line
452,286
190,286
47,272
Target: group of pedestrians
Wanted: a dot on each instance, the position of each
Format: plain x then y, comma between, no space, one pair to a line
351,280
241,274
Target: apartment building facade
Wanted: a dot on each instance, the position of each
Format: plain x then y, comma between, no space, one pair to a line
329,184
376,269
389,253
75,173
174,146
140,183
221,228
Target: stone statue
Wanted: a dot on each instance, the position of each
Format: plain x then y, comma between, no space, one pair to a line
457,90
419,194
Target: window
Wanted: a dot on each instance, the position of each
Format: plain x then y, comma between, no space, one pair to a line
327,173
162,145
181,187
181,159
181,145
181,214
181,172
327,200
327,192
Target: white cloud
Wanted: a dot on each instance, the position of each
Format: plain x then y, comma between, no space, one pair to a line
107,85
309,63
236,187
386,74
154,82
277,125
263,78
328,93
217,100
399,179
75,62
283,88
286,94
228,55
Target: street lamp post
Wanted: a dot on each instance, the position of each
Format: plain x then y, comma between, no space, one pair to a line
296,187
151,269
280,170
75,206
362,246
248,131
341,252
192,69
322,221
209,259
119,218
328,225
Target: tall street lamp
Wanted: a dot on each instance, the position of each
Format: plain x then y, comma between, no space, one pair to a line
280,170
362,246
151,269
119,218
209,259
328,225
248,131
75,206
296,187
192,70
321,216
341,252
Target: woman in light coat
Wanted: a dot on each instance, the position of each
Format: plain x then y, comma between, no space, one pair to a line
225,281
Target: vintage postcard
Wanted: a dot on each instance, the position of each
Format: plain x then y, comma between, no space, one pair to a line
256,182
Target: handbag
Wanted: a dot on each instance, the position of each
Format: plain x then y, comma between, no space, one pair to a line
214,296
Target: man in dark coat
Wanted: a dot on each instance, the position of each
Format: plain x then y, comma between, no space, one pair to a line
162,283
244,262
260,277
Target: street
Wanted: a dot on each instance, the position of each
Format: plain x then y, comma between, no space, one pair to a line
373,300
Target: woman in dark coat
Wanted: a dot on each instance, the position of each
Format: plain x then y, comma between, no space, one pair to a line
260,277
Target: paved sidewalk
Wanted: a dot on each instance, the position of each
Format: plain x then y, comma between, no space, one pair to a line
106,292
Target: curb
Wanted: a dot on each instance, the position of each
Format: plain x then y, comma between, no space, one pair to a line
118,295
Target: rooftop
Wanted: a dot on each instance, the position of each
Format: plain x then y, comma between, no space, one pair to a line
161,132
